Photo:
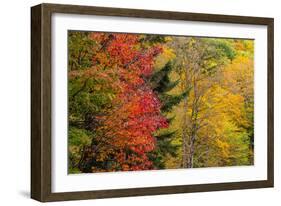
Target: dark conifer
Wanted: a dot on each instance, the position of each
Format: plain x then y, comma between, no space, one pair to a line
162,84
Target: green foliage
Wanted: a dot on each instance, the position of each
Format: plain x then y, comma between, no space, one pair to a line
78,137
152,39
77,140
80,50
171,100
162,84
223,47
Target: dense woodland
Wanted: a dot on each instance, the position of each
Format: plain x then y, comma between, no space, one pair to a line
143,102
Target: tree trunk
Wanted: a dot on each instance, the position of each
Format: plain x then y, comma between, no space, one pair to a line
184,136
185,122
191,147
194,118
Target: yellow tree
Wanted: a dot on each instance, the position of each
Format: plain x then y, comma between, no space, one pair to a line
216,117
199,60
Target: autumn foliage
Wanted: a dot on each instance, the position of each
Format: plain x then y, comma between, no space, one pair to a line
126,130
126,103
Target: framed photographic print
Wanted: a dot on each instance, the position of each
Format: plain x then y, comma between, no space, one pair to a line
136,102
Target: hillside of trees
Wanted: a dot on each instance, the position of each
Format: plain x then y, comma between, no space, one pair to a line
146,102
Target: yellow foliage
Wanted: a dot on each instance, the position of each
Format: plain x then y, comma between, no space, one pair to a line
162,59
224,147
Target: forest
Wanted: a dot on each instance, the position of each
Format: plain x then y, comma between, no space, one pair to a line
149,102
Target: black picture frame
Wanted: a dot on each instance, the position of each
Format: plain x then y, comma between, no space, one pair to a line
41,115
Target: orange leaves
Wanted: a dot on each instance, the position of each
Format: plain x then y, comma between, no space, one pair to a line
135,113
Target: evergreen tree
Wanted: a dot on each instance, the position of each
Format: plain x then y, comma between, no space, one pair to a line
162,84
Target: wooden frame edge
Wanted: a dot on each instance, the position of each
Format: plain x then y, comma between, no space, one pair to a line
36,58
101,194
270,101
40,102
